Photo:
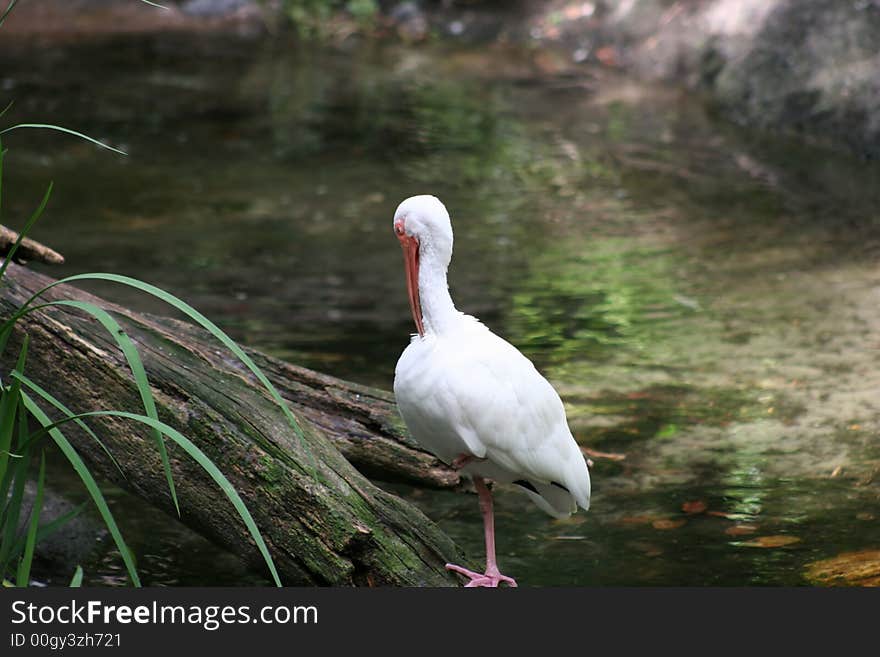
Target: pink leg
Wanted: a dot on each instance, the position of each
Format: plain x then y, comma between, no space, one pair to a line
492,577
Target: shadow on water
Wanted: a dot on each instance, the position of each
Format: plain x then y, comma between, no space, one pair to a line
705,302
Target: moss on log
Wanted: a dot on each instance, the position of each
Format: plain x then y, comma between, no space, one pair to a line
333,529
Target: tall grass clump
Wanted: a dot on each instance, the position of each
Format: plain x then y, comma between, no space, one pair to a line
27,427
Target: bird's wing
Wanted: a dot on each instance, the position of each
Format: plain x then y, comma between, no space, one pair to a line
515,415
428,402
479,395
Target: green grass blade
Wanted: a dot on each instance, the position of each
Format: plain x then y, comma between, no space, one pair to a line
27,227
16,475
147,2
49,528
2,155
89,482
49,126
24,567
7,108
54,525
77,579
8,409
5,484
12,511
202,321
9,476
10,548
137,370
207,465
64,409
7,428
6,11
5,332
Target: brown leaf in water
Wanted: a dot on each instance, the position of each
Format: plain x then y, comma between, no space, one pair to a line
779,540
741,530
667,523
696,506
860,568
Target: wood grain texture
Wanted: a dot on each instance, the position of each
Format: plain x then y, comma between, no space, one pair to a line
333,529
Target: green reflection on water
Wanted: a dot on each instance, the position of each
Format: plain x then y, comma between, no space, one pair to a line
584,299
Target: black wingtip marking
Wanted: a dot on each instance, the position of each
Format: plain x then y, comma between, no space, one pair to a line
527,485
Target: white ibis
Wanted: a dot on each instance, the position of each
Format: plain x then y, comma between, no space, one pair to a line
471,398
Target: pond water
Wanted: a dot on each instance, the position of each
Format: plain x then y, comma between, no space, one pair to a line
706,301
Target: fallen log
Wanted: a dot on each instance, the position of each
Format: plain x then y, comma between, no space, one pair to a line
333,529
28,250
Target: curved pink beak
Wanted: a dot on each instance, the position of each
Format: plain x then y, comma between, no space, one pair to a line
410,246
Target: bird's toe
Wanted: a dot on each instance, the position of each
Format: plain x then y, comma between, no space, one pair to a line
488,579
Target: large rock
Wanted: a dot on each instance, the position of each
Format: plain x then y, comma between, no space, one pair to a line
809,66
804,66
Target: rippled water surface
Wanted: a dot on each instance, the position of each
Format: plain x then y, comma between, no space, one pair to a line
705,302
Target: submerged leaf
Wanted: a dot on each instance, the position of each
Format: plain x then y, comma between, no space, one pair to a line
741,530
779,540
696,506
860,568
668,523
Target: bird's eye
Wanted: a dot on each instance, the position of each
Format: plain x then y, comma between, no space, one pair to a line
398,228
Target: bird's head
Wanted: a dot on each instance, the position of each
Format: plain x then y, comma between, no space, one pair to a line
422,225
425,219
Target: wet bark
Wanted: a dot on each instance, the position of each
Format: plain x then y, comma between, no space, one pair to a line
323,521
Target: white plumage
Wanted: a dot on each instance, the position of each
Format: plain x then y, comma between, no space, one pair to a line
468,391
469,396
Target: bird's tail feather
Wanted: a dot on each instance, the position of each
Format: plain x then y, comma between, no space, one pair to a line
551,499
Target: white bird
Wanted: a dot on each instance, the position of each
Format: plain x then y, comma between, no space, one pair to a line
471,398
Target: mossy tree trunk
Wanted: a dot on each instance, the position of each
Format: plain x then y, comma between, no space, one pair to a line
333,529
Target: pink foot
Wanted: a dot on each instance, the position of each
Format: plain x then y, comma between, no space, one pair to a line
491,578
